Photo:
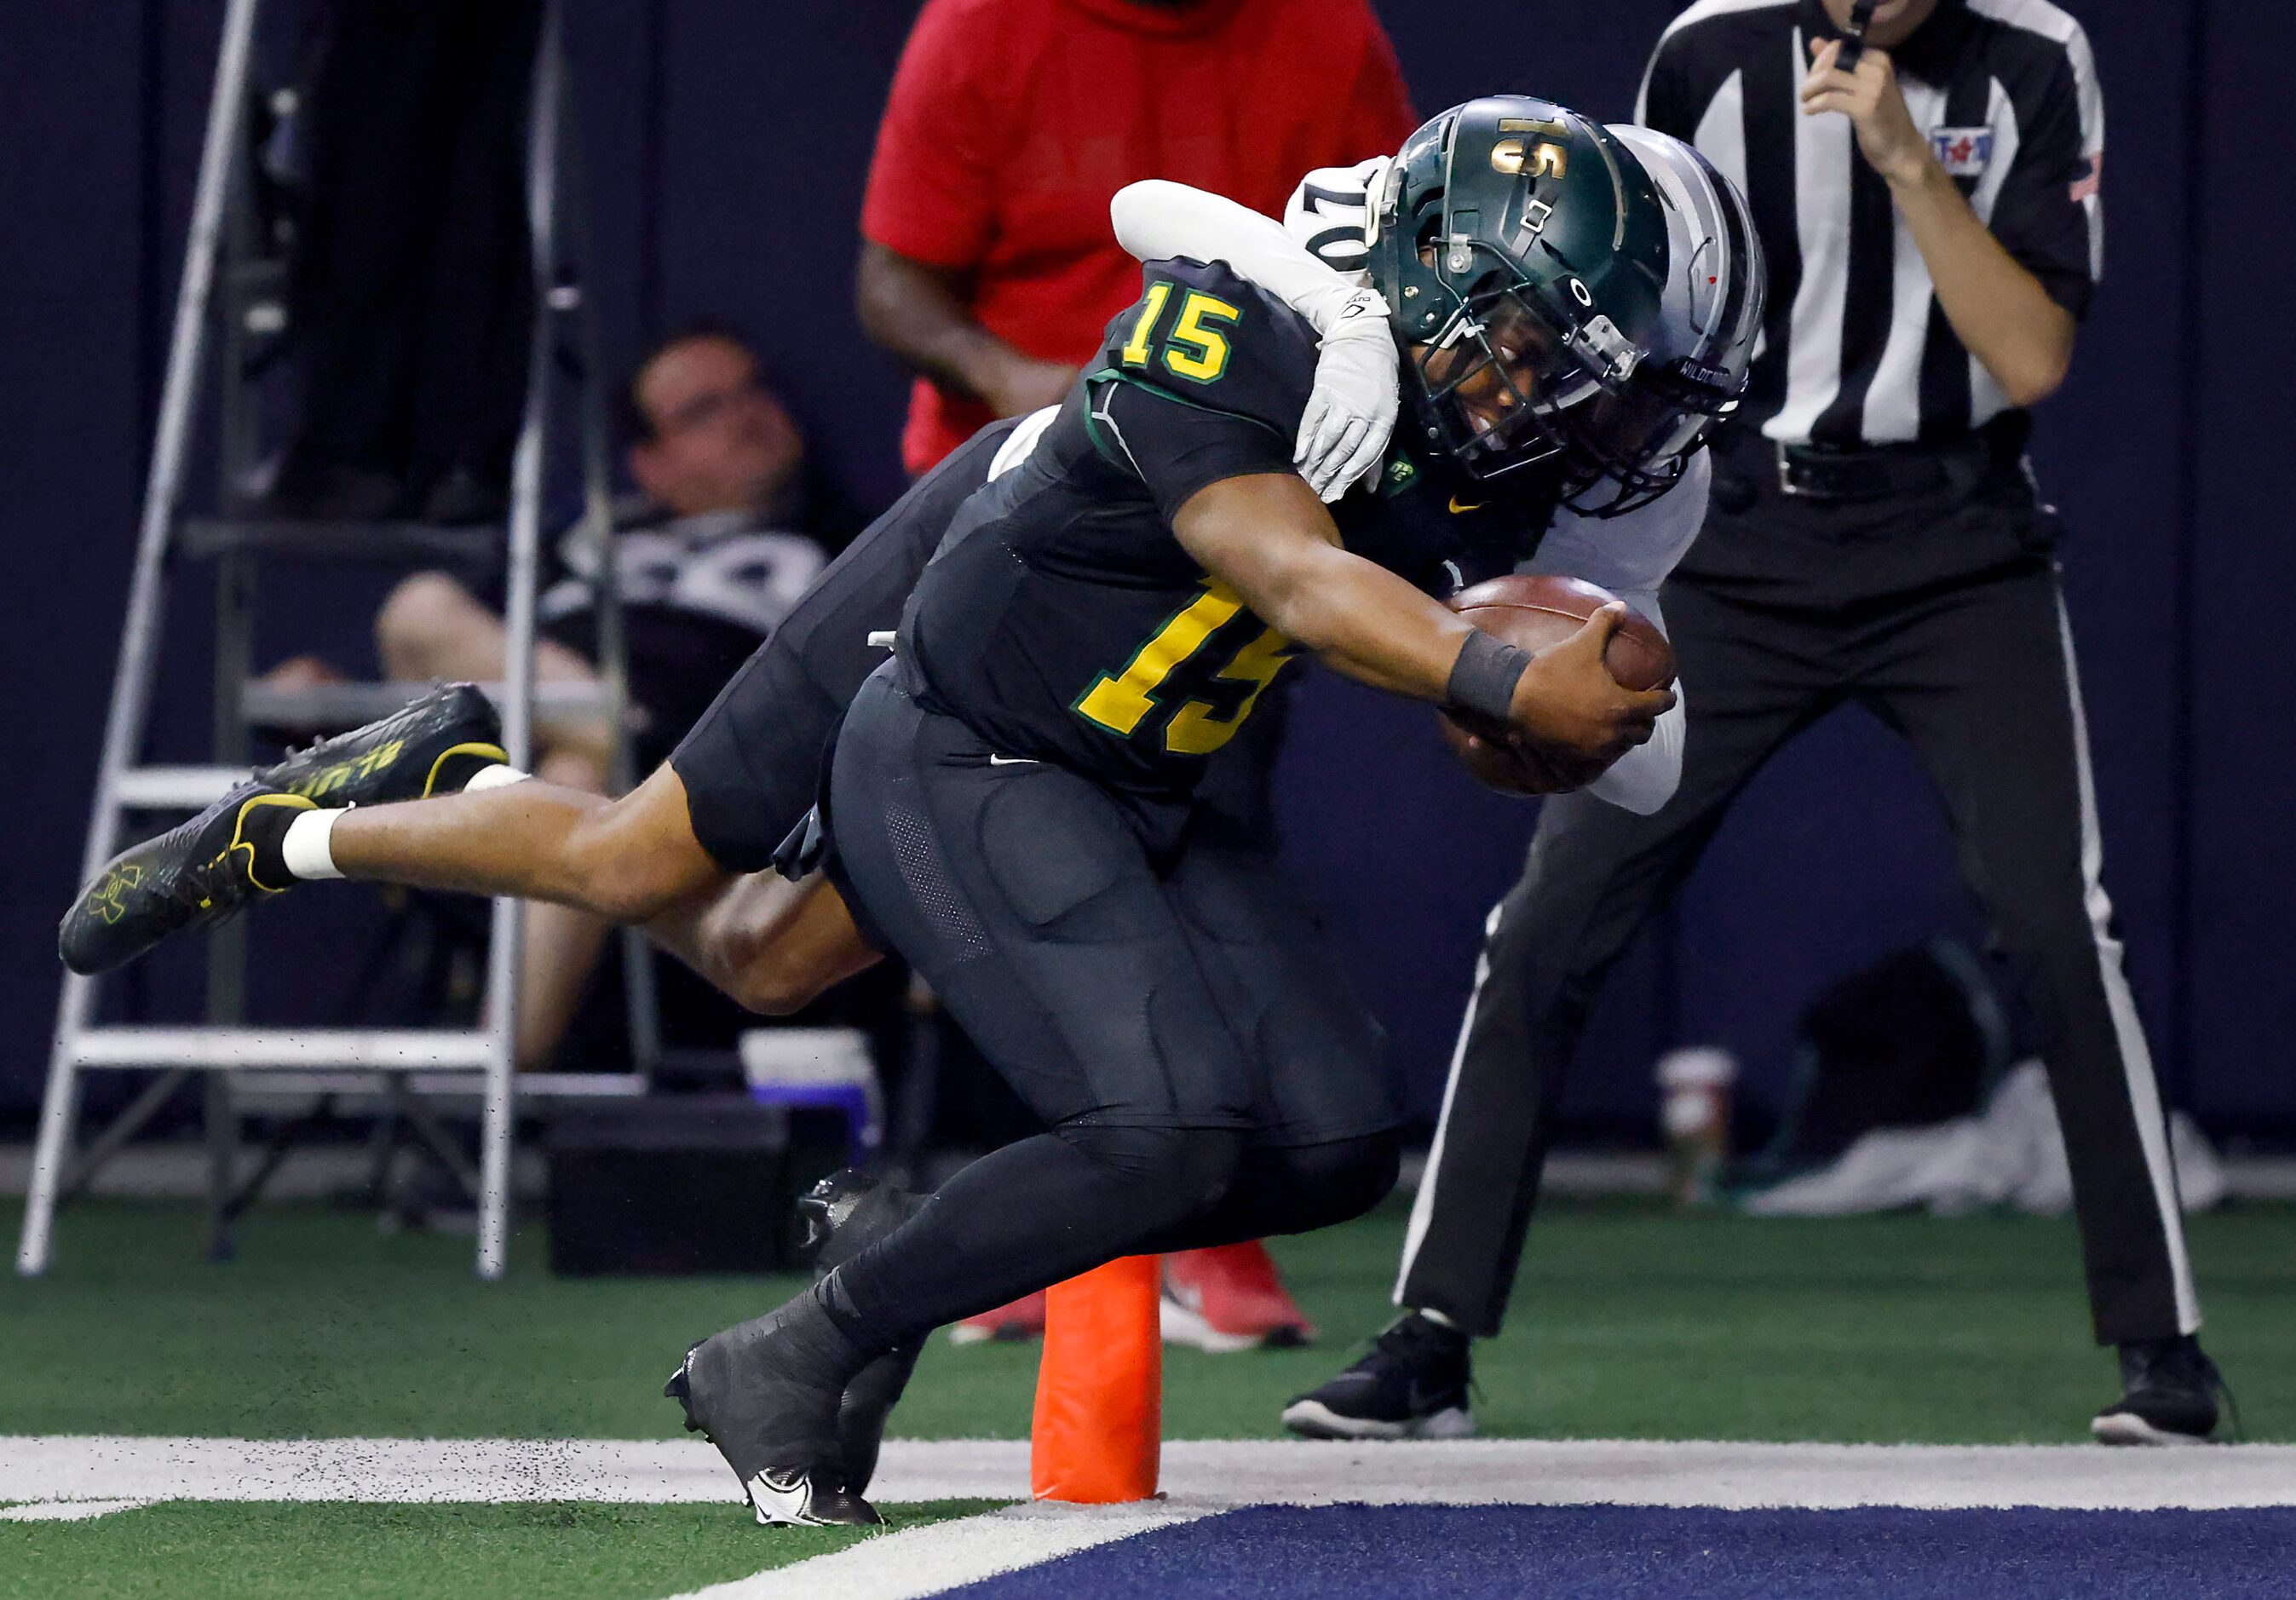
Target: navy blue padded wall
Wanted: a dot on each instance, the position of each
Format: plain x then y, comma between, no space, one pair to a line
725,151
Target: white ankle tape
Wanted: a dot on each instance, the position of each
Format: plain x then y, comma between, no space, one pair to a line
495,777
305,850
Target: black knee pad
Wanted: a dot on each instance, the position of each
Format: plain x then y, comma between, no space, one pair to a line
1170,1174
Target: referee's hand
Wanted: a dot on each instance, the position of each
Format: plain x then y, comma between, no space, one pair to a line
1869,96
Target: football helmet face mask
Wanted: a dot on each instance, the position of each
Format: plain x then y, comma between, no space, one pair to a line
1531,258
1701,348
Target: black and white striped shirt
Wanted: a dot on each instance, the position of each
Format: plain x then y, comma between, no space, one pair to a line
1856,348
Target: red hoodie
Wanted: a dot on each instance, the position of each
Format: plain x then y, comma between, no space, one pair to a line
1012,123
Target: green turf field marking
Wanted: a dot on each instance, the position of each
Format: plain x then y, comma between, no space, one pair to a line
188,1550
66,1511
1630,1321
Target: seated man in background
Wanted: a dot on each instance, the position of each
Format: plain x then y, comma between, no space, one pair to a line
706,565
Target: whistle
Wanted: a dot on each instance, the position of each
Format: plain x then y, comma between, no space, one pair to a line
1861,16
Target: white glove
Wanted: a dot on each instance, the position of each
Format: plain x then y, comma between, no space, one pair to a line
1350,413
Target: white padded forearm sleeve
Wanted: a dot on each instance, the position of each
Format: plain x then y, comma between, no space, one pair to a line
1156,219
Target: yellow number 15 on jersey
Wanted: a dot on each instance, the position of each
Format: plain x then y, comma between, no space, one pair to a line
1195,348
1122,702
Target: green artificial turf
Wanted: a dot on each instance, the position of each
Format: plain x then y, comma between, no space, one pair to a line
1629,1321
189,1550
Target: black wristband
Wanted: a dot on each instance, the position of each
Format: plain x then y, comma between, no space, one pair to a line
1484,676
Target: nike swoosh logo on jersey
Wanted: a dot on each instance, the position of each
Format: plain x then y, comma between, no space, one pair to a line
1012,761
1459,510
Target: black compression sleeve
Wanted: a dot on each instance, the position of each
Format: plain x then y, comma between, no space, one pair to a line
1484,676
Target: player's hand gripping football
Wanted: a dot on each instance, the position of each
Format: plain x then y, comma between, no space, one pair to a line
1574,714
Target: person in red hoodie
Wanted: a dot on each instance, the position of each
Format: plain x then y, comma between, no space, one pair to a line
988,266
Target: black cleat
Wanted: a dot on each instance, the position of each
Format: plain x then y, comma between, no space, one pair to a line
845,1214
2170,1390
1413,1384
434,746
194,875
766,1392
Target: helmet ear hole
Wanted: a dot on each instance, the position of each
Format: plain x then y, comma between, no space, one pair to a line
1427,237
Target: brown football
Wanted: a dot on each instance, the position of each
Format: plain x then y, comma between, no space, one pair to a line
1535,612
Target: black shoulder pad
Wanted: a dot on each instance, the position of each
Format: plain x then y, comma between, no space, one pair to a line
1205,337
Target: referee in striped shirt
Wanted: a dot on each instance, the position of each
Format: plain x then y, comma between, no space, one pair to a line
1933,228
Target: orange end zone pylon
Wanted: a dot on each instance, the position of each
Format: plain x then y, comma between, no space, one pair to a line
1099,1427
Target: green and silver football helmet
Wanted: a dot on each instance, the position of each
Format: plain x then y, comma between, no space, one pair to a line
1578,304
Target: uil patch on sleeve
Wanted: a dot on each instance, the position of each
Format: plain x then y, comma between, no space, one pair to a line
1963,152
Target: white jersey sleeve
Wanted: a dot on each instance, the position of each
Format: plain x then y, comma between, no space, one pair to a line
1330,213
1158,220
1345,427
1631,556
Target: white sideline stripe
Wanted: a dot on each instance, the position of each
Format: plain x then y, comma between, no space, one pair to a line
905,1563
1206,1472
66,1511
372,1469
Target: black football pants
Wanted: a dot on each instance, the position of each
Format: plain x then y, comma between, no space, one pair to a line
1978,675
1175,1017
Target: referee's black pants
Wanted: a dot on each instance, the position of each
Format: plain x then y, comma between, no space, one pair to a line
1978,675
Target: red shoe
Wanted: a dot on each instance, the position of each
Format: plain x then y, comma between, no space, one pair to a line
1229,1298
1024,1319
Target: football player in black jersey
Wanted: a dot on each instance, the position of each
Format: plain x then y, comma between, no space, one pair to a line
1012,804
1010,798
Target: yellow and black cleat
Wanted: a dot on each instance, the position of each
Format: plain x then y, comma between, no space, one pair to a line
191,876
434,746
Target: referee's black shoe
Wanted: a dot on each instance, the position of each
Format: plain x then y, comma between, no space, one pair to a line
434,745
2170,1394
845,1214
193,875
1413,1384
766,1392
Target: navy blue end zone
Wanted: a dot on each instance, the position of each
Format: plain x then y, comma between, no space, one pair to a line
1460,1552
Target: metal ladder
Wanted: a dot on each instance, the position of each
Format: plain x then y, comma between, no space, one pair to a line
407,1061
